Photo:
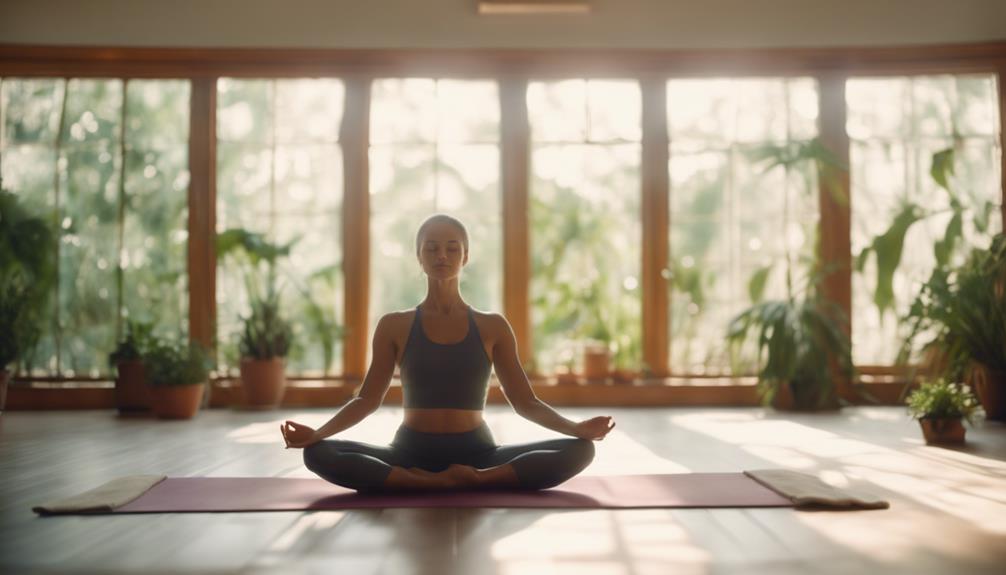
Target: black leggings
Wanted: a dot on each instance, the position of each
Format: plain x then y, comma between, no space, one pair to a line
365,467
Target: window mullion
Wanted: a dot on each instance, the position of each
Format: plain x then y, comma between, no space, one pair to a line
655,225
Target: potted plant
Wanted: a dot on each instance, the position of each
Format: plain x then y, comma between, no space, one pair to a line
939,406
16,329
566,374
801,341
596,360
264,344
132,393
965,310
798,342
266,336
624,371
178,372
27,273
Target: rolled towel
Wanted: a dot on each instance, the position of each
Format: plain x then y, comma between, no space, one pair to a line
103,499
805,490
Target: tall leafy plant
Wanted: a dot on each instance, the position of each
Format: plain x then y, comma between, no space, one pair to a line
887,248
27,277
801,339
266,334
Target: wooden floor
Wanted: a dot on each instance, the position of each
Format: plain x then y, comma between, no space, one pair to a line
948,512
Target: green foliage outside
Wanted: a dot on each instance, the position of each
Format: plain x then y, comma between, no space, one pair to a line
941,399
579,292
117,206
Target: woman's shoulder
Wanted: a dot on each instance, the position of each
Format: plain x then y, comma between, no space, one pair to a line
490,320
397,320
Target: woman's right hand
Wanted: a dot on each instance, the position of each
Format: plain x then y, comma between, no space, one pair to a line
297,434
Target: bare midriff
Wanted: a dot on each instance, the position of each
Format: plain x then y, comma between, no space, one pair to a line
442,420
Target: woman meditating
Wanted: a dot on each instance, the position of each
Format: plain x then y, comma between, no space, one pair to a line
445,351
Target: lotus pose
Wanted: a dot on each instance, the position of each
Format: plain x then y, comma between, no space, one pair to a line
445,351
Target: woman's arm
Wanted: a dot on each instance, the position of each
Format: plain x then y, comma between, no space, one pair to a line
375,386
517,389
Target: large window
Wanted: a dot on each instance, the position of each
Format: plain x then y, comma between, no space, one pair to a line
738,207
434,147
735,161
108,160
585,220
896,127
279,174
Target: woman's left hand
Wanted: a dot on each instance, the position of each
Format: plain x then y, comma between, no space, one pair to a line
594,428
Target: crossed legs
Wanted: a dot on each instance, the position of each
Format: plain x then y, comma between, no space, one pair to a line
366,467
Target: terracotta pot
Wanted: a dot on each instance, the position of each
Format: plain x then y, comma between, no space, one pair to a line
132,393
789,399
595,362
262,382
990,386
783,398
4,379
943,430
623,376
177,401
567,378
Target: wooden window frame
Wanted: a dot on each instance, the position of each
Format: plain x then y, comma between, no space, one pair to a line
513,69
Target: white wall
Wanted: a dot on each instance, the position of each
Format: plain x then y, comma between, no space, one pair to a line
668,24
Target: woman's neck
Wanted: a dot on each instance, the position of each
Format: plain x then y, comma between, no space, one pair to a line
443,297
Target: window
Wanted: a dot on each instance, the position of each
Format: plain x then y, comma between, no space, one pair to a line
279,174
108,160
896,125
585,220
434,147
734,217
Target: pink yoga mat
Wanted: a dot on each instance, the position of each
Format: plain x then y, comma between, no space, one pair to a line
196,494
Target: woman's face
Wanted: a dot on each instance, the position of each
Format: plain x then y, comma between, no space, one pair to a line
442,251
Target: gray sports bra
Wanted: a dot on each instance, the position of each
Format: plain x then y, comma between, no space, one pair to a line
446,376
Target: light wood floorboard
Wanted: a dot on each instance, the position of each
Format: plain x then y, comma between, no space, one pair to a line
948,511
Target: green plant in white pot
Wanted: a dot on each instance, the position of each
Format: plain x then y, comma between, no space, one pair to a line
178,372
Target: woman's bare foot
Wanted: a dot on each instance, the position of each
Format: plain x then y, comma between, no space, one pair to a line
423,472
463,475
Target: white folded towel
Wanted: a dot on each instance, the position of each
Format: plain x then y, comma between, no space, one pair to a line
103,499
808,491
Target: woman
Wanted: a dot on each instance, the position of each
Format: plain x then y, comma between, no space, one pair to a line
445,351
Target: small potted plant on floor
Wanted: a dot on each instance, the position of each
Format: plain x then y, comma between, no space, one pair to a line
264,344
178,372
132,393
940,406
